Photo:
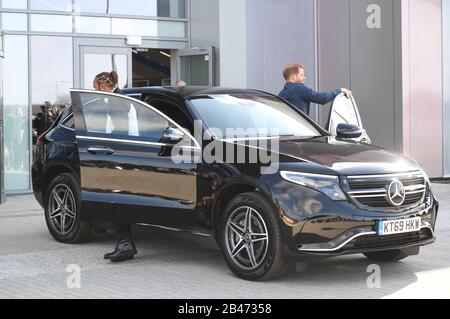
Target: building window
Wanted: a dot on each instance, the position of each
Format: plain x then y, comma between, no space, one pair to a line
149,28
15,4
150,8
91,6
51,23
16,115
51,79
14,22
93,25
52,5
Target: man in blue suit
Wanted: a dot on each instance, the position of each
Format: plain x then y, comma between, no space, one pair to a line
297,93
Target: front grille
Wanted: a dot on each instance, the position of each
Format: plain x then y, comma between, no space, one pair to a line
375,241
371,191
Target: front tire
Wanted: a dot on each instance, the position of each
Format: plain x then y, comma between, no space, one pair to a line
62,211
250,238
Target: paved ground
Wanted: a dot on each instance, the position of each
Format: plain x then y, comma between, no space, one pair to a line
174,265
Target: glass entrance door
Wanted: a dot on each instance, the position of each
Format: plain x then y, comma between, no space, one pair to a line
94,60
196,66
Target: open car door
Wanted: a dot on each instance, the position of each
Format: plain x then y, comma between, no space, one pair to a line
126,167
345,111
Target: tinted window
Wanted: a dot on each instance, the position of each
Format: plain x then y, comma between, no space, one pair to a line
259,115
121,117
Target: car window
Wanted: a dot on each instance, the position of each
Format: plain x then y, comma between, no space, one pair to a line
69,122
120,117
343,112
172,110
67,119
263,115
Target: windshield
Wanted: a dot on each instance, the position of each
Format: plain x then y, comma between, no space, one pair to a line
241,116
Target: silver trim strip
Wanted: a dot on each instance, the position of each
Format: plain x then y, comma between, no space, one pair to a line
415,192
342,245
180,230
126,97
384,194
369,191
90,138
418,173
421,187
67,128
410,189
353,238
369,196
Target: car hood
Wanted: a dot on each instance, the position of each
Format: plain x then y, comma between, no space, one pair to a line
342,157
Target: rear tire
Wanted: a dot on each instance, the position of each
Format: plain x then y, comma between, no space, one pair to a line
392,255
62,211
250,237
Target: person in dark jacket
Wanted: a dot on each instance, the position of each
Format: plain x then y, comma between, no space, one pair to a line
297,93
107,82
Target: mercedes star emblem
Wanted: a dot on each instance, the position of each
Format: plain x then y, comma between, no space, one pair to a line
396,193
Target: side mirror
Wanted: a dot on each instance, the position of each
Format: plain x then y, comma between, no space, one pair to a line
348,131
172,135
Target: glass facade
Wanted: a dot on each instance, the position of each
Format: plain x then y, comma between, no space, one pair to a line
51,79
95,63
40,67
51,23
446,76
147,8
14,4
16,115
14,21
52,5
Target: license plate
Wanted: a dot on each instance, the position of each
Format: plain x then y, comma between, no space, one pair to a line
391,227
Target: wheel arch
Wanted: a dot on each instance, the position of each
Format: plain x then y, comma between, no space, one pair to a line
54,170
231,190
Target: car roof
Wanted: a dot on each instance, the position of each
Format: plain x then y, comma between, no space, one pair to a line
189,92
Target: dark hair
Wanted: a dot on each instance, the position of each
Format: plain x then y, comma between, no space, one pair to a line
110,79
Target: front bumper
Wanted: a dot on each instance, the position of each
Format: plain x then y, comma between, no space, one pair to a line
365,239
313,224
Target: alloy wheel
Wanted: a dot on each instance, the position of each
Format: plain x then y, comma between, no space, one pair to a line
247,238
62,209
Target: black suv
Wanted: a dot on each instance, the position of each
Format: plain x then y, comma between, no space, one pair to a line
260,175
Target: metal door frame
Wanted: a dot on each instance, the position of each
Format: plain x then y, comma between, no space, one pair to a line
194,52
106,50
83,46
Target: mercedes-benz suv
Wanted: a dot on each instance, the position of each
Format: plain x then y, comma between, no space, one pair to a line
254,171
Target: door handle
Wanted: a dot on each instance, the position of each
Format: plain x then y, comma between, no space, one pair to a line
100,150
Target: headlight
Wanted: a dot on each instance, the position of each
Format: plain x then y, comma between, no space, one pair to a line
327,184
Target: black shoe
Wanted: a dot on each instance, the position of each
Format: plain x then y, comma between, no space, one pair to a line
125,250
